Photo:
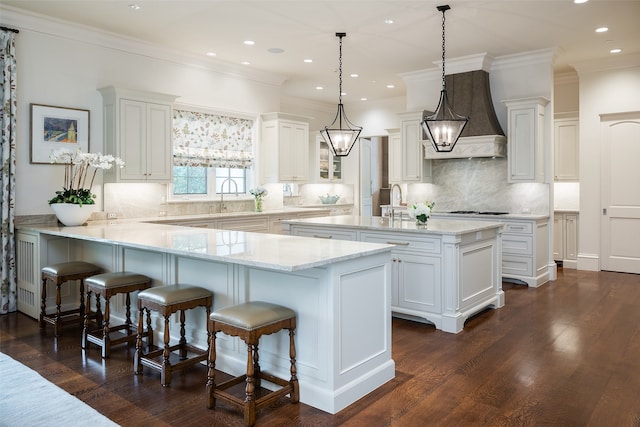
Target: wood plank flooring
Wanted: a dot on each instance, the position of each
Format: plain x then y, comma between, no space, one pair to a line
564,354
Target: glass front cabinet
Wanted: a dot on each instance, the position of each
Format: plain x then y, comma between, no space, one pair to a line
329,167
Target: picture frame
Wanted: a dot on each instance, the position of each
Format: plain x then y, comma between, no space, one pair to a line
54,127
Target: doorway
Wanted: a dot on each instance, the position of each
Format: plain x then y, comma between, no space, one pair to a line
620,224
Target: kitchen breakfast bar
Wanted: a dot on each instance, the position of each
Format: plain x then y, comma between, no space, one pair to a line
343,290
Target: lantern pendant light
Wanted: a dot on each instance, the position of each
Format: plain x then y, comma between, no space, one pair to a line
444,126
340,135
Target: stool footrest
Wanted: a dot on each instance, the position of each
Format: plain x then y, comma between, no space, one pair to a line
116,336
270,396
154,359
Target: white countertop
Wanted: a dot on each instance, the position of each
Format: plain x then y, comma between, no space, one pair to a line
271,251
486,216
377,223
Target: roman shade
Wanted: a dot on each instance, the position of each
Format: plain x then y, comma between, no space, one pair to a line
211,140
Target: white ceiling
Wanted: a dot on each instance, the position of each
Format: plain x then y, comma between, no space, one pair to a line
378,52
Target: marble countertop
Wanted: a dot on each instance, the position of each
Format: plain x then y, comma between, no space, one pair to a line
270,251
228,215
485,216
377,223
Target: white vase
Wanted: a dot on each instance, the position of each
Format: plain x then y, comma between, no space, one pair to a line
71,214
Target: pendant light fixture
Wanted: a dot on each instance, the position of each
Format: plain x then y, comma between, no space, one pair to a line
341,134
444,126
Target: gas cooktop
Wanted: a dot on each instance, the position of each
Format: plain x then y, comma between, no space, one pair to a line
479,212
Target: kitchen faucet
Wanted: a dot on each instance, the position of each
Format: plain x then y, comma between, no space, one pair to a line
235,184
393,211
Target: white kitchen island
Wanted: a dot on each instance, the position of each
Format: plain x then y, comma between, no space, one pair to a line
340,290
442,274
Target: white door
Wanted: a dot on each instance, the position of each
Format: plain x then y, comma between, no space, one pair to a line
620,225
366,189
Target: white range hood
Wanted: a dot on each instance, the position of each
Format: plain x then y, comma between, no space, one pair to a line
470,95
469,147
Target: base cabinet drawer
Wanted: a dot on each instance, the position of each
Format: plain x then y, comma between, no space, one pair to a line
517,245
324,233
517,265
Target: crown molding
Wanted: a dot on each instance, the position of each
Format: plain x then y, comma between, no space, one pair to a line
42,24
612,63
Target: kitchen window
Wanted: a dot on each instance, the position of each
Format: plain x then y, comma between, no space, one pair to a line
212,154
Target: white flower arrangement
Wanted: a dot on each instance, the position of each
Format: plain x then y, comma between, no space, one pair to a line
421,211
79,173
258,192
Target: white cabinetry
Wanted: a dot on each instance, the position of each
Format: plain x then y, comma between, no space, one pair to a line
395,156
413,166
566,150
416,272
284,148
329,167
137,128
565,238
525,141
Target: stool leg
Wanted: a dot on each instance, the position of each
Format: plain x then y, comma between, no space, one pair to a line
82,306
106,339
43,303
85,328
137,365
149,330
183,340
256,367
58,323
295,394
165,377
127,321
211,372
99,318
249,401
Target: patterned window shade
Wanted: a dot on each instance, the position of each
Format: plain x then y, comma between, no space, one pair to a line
210,140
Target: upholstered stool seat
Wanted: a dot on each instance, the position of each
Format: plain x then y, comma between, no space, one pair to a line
249,322
108,285
58,274
168,300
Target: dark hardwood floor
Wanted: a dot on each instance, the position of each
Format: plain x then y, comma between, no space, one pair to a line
564,354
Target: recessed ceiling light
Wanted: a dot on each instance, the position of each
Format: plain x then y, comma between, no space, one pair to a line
353,75
134,7
319,88
343,93
246,63
602,30
249,42
616,50
211,54
390,86
275,50
308,61
580,1
363,99
388,21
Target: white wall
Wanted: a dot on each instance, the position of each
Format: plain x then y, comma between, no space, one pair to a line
605,87
55,70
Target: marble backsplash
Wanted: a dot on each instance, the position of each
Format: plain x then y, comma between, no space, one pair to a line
479,184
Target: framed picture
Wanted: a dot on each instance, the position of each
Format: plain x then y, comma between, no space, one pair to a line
57,127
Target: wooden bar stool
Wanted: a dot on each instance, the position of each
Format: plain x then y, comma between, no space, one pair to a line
108,285
250,321
58,274
167,300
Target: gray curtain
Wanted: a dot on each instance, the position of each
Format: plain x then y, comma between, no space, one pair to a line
9,286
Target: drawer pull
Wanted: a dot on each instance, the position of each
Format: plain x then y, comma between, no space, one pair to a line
322,237
398,243
520,227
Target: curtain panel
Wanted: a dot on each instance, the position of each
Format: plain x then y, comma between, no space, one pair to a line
8,287
209,140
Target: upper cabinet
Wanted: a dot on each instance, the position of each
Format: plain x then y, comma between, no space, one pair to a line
284,148
137,128
566,150
329,167
525,140
395,156
414,167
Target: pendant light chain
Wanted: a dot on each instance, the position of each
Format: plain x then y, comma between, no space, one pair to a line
443,47
340,72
